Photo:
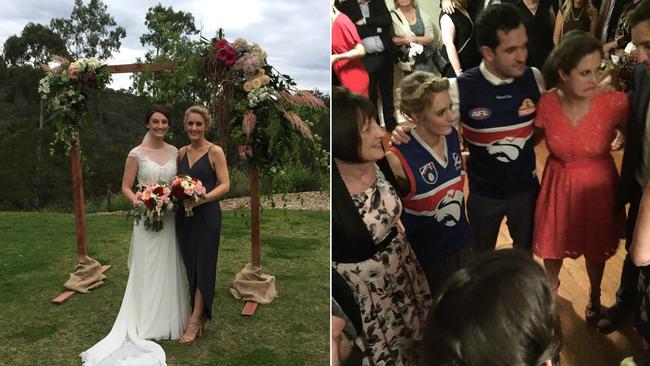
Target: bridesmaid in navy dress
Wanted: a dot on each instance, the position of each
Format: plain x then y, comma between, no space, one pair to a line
198,235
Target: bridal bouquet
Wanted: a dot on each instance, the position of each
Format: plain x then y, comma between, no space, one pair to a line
155,202
186,188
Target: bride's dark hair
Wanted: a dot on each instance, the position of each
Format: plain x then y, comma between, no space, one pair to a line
159,109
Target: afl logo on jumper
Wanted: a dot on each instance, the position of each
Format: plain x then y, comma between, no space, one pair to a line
507,149
449,208
526,108
479,113
428,173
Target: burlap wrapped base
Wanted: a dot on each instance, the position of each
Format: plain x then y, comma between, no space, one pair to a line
87,276
251,284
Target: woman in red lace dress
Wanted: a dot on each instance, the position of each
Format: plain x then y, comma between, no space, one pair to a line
347,51
575,208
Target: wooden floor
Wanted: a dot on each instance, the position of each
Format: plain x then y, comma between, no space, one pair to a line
583,345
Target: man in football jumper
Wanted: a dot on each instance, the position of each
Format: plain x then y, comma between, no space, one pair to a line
496,103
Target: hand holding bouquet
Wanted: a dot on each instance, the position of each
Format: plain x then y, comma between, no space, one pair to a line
155,200
187,190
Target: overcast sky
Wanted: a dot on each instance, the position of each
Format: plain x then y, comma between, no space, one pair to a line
294,33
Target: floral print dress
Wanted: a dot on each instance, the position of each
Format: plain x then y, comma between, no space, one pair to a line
390,287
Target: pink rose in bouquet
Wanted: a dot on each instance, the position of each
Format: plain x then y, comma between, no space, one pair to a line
186,189
156,201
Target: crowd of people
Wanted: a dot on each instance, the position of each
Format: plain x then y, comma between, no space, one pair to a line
408,245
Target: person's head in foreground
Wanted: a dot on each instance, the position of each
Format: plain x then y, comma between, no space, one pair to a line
497,311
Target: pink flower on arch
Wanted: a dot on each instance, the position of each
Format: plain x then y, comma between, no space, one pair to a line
245,151
248,124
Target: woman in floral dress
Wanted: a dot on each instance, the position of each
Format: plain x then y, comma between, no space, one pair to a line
368,250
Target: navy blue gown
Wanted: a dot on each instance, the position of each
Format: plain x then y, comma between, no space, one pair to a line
199,235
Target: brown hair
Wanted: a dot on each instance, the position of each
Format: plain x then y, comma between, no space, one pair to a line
350,112
497,310
573,47
156,108
640,13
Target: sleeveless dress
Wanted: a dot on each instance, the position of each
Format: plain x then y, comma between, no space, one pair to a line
575,212
390,288
350,73
155,300
581,21
464,41
199,235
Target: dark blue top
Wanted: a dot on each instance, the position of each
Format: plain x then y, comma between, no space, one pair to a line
497,123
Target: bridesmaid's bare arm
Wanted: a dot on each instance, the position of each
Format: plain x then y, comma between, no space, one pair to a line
218,161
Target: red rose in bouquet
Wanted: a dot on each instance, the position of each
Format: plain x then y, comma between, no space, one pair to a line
186,189
156,201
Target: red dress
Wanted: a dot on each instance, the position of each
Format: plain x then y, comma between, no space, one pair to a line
575,212
351,73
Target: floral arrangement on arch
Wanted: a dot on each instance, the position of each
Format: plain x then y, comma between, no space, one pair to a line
265,116
66,87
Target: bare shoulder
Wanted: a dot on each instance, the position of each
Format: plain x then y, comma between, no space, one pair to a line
217,152
216,155
182,151
170,147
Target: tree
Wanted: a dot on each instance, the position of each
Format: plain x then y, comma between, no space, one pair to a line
170,35
166,27
90,31
35,46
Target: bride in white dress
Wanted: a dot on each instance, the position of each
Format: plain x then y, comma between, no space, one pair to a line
155,304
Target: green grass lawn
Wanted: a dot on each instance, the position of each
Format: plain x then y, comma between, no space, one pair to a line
37,251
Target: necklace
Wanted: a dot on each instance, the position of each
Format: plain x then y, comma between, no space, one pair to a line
582,10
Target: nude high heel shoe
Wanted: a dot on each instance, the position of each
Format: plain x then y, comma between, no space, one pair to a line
193,331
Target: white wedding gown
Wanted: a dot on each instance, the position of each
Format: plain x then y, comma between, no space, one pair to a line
155,303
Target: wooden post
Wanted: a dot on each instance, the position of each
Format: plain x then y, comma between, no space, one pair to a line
78,194
256,242
222,122
254,176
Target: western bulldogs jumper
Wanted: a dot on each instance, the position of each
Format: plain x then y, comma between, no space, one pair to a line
497,123
434,209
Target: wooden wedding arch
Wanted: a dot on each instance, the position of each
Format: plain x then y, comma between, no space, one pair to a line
78,194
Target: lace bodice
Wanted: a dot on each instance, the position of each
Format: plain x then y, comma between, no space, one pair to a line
155,165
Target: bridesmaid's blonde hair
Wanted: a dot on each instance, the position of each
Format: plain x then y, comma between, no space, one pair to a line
202,111
415,92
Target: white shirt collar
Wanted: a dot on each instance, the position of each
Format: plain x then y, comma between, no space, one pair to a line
493,79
